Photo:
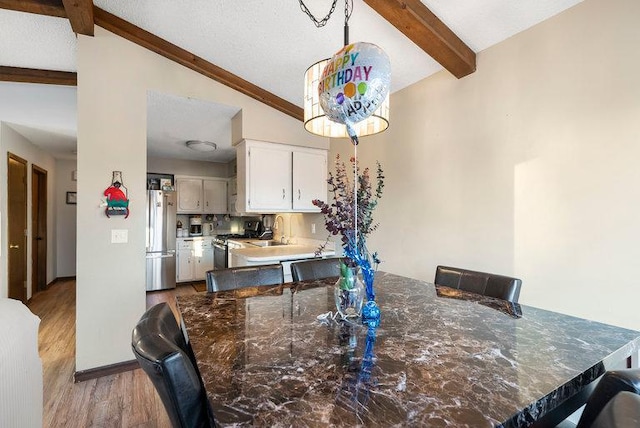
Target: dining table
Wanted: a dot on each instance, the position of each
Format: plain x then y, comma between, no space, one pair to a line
279,356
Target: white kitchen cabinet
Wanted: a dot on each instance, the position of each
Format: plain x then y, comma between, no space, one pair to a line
184,261
279,178
203,261
215,196
189,195
198,195
194,259
269,178
309,179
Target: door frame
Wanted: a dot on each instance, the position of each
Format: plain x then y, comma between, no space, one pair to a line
39,210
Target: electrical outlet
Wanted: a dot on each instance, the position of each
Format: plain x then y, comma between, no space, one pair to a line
119,236
313,228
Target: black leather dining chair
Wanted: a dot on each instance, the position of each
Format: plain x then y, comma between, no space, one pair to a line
246,276
615,402
315,269
487,284
166,357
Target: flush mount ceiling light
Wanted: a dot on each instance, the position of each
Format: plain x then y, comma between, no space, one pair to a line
315,120
201,146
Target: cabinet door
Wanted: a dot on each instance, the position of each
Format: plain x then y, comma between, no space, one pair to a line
189,195
215,196
185,265
269,179
204,263
309,179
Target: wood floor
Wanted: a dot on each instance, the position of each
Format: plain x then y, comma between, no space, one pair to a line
123,400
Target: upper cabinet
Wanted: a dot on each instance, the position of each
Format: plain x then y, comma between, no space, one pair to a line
279,178
215,196
201,195
309,179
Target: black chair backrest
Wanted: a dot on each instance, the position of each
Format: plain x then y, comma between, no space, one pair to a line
165,356
315,269
488,284
246,276
599,411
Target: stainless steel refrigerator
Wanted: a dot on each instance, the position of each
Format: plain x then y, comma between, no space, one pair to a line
161,240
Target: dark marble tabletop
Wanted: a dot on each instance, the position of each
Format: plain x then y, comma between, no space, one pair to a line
439,358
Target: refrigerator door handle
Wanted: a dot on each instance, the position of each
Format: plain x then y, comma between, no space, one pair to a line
161,256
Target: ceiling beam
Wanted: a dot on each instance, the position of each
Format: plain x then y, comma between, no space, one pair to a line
175,53
80,13
40,7
32,75
426,30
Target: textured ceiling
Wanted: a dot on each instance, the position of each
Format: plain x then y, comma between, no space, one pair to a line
268,43
172,120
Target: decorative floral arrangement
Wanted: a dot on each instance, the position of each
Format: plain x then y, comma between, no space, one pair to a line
343,214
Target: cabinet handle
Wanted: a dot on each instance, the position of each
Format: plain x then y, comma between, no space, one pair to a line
298,194
14,247
198,203
283,196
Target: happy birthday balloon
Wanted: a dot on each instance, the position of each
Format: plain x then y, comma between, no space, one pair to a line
354,84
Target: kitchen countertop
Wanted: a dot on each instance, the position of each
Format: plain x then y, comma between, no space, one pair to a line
279,252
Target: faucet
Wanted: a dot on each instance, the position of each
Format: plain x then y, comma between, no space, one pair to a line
275,224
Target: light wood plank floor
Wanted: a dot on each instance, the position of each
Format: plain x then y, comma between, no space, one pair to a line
123,400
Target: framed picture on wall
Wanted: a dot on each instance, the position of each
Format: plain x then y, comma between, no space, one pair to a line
71,198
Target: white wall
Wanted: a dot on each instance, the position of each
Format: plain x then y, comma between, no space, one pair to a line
12,141
526,167
114,76
66,219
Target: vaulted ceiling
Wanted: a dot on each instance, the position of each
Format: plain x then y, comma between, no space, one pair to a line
257,47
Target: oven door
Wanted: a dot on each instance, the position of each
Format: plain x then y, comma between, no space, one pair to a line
219,256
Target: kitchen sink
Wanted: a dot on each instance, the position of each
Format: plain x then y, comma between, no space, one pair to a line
267,243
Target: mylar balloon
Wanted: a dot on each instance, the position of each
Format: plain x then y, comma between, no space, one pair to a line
354,83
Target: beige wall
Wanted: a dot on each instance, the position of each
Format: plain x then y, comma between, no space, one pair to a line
66,219
187,167
114,76
12,141
529,166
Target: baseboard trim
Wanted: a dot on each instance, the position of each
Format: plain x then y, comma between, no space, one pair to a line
125,366
60,279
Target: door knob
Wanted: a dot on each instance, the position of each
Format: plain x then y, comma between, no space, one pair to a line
11,246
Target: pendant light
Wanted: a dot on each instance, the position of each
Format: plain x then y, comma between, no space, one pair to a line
315,120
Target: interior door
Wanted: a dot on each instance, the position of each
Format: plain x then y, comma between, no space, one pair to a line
17,225
39,229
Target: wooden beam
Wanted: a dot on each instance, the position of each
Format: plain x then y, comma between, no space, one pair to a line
80,13
32,75
175,53
424,29
40,7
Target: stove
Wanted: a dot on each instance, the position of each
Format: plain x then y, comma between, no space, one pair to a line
252,229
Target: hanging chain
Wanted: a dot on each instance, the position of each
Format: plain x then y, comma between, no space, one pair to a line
348,10
323,21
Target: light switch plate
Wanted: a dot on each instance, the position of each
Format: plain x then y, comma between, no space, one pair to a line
119,236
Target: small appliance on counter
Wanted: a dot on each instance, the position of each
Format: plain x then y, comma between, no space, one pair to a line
267,227
207,229
195,225
252,228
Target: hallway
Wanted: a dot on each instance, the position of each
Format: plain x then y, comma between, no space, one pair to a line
126,399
